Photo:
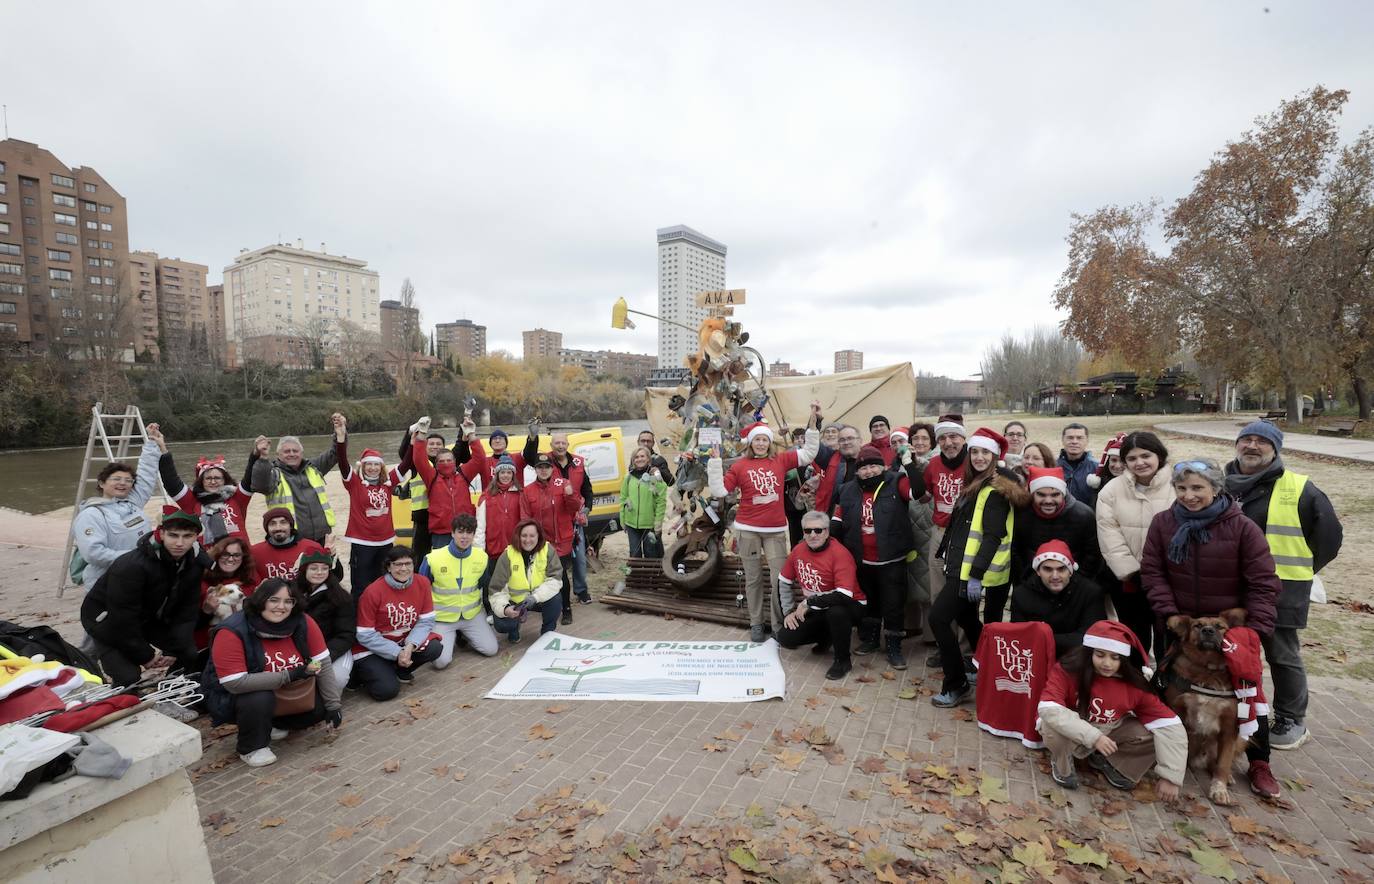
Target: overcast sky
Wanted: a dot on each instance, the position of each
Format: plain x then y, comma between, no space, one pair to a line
894,177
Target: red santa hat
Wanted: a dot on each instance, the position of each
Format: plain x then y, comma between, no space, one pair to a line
758,428
1109,635
372,455
1113,446
989,440
1054,551
1048,477
900,433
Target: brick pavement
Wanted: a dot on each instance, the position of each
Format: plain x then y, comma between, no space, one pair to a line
467,769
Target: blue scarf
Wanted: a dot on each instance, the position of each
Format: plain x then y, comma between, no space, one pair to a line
394,583
1192,526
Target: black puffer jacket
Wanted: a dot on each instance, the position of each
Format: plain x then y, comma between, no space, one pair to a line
147,598
338,621
1069,613
1076,525
1008,492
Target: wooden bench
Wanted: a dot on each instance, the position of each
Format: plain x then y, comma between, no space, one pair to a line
1275,415
1338,428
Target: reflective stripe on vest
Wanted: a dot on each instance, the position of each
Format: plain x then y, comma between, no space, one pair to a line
419,493
1283,529
522,583
282,496
999,572
456,584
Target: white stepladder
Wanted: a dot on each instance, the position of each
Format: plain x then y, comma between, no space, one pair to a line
130,430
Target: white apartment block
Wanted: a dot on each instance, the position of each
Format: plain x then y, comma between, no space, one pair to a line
688,262
284,289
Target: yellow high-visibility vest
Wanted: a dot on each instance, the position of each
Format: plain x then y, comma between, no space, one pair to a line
1283,529
419,493
999,572
521,583
282,496
457,590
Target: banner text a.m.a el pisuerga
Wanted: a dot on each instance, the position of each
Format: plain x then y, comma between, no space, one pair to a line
563,667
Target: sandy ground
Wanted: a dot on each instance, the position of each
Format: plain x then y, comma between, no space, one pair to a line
1340,637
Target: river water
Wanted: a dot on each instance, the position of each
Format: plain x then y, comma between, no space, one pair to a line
44,479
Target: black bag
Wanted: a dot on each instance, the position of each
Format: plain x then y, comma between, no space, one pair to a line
28,641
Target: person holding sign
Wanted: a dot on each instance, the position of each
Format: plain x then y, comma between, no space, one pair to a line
761,520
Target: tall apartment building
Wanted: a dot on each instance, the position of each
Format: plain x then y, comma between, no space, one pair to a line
780,369
64,257
400,327
688,262
540,343
183,323
463,338
632,366
143,290
849,360
283,290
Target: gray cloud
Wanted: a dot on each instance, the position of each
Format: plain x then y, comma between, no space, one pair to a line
888,176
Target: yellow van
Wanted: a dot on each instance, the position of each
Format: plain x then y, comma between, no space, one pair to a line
602,449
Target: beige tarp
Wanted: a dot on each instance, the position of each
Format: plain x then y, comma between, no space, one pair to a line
847,397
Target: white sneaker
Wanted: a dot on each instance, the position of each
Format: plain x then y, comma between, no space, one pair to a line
259,757
280,733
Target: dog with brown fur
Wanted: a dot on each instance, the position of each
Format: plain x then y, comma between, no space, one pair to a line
1199,689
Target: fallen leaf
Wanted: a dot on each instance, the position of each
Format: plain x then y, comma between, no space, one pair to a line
889,675
932,735
342,833
596,835
742,857
1244,825
859,795
992,788
832,753
540,732
865,679
565,791
391,766
1036,859
714,747
1363,845
730,735
872,765
271,822
227,829
754,768
818,737
351,800
790,759
218,818
835,691
459,775
895,754
852,710
441,771
1082,854
906,694
1213,863
812,703
963,715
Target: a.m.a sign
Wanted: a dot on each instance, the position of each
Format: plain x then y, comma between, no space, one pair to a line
720,298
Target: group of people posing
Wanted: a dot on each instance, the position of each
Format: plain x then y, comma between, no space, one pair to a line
269,626
930,530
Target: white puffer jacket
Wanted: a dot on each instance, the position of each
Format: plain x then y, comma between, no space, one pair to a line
1124,513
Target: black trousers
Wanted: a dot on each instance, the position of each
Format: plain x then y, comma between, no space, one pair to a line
253,714
419,538
995,603
834,624
377,675
885,588
1133,609
366,564
124,672
566,591
951,607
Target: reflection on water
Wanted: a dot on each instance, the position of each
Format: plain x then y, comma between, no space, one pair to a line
39,480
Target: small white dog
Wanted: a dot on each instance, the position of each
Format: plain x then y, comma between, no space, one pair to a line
223,601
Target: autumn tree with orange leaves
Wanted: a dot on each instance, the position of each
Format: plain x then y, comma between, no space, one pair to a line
1268,272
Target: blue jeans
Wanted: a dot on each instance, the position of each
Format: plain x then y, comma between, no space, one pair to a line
579,568
549,611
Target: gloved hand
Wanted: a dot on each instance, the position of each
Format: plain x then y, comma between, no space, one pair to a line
904,453
533,426
974,592
715,477
299,673
333,717
652,536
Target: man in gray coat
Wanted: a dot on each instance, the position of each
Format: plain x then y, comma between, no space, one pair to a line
291,481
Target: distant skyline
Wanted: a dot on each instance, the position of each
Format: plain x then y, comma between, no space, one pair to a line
890,177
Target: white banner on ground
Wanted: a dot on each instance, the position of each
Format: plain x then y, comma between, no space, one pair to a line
564,667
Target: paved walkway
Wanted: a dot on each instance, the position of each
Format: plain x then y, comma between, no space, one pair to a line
1361,450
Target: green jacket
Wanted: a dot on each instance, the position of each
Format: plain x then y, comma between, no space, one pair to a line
643,502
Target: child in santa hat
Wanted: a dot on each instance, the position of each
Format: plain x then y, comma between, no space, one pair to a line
1098,705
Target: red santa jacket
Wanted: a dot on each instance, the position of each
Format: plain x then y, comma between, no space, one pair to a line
553,509
449,495
944,484
233,511
817,572
1013,661
489,474
280,561
1111,701
498,512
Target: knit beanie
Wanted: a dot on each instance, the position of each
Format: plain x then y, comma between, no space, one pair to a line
877,418
1265,430
315,557
504,463
276,511
174,515
498,432
870,455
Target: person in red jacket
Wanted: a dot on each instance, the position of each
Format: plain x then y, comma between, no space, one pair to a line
554,503
278,555
498,443
449,485
498,512
1202,557
830,602
371,531
880,437
221,505
761,519
395,627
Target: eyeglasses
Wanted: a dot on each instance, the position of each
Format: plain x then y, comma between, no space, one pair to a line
814,530
282,603
402,565
1196,466
231,555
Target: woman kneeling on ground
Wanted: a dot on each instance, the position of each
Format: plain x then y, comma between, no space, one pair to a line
271,643
331,607
527,578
